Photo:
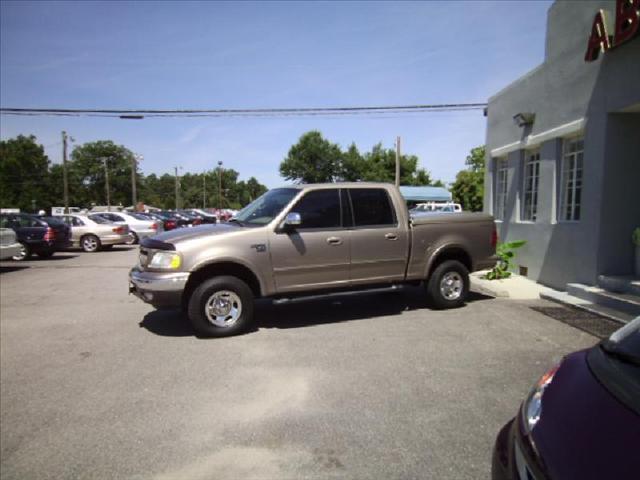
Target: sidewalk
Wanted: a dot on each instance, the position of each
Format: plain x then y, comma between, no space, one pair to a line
516,287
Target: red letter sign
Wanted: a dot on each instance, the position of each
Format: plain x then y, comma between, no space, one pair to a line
627,20
599,40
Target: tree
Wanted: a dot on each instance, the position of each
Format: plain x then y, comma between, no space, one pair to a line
24,174
87,182
468,189
312,160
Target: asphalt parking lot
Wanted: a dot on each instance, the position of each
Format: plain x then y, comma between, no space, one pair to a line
96,384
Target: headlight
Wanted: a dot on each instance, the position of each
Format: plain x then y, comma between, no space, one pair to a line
167,260
532,407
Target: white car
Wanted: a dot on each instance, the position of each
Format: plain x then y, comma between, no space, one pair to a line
9,246
139,226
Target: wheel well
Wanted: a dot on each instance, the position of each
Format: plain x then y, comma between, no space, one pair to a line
453,253
219,269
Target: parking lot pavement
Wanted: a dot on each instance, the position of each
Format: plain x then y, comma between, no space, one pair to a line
94,383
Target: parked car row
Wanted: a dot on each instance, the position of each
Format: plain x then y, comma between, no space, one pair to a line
35,235
24,235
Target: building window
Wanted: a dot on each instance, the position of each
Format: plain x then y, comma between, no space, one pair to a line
571,194
530,190
501,189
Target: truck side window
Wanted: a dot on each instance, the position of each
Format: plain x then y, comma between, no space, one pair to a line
371,207
319,209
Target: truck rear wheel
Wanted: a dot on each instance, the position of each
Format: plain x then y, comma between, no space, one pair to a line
221,307
448,285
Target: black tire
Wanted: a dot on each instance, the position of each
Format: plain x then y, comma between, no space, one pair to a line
90,243
134,239
24,254
46,254
452,277
204,293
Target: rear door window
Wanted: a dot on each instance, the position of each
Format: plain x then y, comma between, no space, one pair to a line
371,207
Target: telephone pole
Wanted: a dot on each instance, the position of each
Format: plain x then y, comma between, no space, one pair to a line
106,183
65,178
134,171
220,185
398,161
204,190
177,189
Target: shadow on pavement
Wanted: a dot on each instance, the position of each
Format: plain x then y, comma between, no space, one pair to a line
54,257
12,268
167,323
174,323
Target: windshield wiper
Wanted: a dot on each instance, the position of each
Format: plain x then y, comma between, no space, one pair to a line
236,221
621,355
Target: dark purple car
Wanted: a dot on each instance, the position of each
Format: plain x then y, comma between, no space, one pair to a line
581,420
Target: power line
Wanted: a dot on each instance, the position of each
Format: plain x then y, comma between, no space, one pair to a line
246,112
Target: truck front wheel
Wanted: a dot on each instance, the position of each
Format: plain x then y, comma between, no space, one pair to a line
221,307
448,285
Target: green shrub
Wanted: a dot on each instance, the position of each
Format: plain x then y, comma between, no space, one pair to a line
636,237
506,254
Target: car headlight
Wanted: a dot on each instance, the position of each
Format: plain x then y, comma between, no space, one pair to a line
532,407
166,260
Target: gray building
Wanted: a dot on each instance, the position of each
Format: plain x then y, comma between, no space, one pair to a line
563,149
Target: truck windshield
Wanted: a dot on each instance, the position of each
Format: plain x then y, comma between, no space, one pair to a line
265,208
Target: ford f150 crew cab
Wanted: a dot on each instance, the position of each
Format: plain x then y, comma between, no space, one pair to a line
310,240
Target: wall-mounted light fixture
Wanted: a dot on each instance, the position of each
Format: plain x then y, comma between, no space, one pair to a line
522,119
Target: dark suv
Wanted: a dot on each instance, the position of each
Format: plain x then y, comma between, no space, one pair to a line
36,235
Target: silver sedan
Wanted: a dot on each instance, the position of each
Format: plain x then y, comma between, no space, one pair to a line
93,234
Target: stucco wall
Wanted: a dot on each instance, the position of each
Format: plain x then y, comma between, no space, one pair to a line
562,90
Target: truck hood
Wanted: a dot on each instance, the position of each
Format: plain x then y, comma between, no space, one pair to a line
183,234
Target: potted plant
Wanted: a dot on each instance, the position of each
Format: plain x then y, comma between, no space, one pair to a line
636,241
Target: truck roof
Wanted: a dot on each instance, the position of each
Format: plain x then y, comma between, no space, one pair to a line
340,185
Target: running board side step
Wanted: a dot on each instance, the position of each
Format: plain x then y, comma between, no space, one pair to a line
346,293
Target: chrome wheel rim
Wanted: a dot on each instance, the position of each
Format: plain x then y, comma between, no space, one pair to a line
451,285
223,309
22,254
90,244
133,240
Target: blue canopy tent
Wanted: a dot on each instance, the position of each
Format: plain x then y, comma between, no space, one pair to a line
414,195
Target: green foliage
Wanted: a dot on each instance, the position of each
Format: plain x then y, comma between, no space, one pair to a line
468,189
506,254
314,159
28,178
635,237
24,174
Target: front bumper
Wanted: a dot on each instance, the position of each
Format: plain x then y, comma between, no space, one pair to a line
159,289
9,251
514,457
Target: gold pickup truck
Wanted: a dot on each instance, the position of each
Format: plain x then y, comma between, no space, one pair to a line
311,240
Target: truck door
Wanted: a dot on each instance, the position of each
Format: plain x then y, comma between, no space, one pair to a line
315,254
379,244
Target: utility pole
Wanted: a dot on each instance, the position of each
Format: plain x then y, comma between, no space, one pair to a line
134,171
398,161
177,189
106,183
220,185
204,190
65,178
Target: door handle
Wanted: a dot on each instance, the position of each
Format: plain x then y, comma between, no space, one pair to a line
334,241
391,236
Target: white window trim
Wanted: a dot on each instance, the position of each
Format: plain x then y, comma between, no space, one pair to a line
561,203
501,166
535,193
575,127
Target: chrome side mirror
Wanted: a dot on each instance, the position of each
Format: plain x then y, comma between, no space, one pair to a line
293,219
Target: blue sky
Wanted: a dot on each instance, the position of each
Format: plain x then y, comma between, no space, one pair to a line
268,54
